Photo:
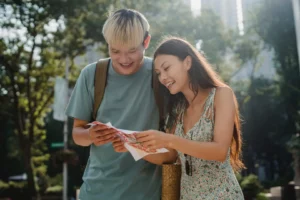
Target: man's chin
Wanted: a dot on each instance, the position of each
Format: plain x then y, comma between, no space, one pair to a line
127,71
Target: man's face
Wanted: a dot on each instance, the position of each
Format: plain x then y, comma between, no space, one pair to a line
126,60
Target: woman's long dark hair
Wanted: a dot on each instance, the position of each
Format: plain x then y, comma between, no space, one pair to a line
201,75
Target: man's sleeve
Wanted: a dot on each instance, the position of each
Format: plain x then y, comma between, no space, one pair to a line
80,105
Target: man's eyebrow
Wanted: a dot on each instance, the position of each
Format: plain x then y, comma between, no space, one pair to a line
133,49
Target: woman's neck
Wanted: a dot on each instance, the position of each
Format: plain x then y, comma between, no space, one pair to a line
198,99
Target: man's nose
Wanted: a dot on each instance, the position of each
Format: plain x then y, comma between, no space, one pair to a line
124,58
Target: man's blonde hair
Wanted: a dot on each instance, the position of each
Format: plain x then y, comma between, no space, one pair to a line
126,27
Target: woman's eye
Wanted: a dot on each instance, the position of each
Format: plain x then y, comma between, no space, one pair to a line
166,69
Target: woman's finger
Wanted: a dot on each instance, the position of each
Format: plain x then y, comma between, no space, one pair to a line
148,144
141,134
144,139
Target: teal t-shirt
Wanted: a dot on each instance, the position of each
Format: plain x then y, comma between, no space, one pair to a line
128,103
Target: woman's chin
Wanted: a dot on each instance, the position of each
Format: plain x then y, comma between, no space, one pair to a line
173,92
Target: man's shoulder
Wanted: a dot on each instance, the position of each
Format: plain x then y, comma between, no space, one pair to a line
90,68
148,63
148,60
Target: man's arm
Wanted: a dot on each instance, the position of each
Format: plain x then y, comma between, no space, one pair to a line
80,133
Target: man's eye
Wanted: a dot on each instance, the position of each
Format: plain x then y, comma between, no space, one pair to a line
166,69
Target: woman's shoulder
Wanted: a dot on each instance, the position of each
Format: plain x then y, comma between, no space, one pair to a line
223,90
224,94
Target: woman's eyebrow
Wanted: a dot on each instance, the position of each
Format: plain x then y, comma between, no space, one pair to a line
163,64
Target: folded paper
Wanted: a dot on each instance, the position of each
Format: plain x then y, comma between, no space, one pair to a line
136,149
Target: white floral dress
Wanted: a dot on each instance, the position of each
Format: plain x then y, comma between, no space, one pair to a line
209,180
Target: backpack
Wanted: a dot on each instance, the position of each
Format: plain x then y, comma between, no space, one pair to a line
100,82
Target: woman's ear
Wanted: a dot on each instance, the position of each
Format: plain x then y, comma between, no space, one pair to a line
187,63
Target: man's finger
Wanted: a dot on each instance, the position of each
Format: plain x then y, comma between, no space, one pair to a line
117,145
99,127
102,127
106,132
104,139
117,139
121,149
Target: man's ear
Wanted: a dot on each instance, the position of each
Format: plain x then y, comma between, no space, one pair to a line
147,41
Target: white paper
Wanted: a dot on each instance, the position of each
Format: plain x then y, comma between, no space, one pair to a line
137,154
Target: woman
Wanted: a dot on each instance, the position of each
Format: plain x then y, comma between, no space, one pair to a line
203,113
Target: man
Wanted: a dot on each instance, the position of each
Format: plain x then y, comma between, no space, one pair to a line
128,103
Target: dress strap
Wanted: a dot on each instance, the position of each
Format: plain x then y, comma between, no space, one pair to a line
209,105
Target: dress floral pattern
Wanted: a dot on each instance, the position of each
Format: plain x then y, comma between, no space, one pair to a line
210,180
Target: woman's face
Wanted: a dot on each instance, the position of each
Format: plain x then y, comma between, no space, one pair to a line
172,72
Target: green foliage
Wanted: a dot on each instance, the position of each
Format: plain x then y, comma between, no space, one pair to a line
54,189
251,186
239,178
294,143
54,184
270,107
12,184
56,180
261,196
30,61
275,21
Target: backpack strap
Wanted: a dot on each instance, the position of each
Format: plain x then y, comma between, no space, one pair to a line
158,98
100,82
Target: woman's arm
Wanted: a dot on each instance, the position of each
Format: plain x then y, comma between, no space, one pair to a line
162,158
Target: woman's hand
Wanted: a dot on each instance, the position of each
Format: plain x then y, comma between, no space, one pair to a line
154,139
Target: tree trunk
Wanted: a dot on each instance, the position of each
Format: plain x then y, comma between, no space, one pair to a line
29,171
296,159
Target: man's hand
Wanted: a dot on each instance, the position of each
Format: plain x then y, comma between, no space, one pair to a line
119,145
101,134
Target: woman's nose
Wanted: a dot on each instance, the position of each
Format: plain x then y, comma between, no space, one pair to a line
163,77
